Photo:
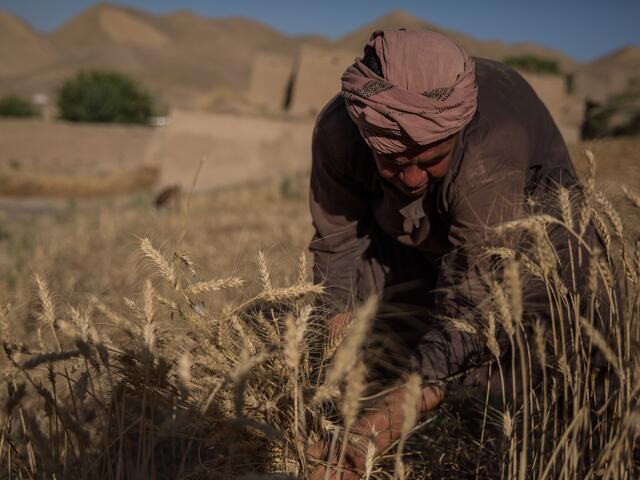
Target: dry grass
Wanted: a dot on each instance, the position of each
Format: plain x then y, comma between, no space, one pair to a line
159,345
19,184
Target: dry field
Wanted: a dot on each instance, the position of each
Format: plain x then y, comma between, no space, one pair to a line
193,355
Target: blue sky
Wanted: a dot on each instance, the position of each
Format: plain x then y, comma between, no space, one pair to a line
584,29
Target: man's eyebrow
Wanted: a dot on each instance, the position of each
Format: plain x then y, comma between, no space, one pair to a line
433,160
390,159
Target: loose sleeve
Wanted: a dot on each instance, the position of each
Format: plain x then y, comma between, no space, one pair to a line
341,219
463,291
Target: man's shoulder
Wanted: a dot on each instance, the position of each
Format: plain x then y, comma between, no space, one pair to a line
511,114
491,72
337,144
512,133
505,95
334,125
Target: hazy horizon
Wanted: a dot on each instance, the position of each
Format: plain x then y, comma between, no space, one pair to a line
583,30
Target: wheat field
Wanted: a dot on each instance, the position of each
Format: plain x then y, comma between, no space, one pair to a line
185,343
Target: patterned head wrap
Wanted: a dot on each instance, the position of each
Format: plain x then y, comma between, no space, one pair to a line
427,91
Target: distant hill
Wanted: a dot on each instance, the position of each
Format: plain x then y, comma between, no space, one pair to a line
179,56
622,63
21,48
493,49
182,57
614,73
626,57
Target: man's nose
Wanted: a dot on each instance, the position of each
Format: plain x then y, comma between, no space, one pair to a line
413,176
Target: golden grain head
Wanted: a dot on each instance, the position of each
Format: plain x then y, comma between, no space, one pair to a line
354,389
164,267
234,378
631,195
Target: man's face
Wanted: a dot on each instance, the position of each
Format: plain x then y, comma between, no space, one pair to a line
412,170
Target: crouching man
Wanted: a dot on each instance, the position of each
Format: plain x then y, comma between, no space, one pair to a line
423,154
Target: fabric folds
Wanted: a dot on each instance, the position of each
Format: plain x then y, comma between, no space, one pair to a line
426,93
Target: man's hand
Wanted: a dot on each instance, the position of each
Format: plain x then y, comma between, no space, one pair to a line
385,419
327,463
337,324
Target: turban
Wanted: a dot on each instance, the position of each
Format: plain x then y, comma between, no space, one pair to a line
427,90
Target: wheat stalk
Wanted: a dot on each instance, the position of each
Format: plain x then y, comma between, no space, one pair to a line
265,274
347,353
371,455
149,327
186,260
462,326
565,206
600,342
602,229
48,315
283,294
514,289
159,261
490,333
636,257
302,270
355,385
199,288
5,331
632,196
183,371
410,416
500,301
612,214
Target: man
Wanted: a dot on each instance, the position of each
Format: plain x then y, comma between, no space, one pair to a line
425,151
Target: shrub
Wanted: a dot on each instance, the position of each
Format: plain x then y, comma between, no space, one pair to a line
104,97
533,63
619,116
16,106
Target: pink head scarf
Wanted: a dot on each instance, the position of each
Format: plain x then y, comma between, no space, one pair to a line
427,91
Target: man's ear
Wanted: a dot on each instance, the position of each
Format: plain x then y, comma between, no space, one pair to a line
376,33
372,61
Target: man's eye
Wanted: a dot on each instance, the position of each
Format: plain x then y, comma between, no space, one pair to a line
392,166
432,162
384,163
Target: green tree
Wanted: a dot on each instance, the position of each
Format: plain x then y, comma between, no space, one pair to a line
107,97
533,63
16,106
619,116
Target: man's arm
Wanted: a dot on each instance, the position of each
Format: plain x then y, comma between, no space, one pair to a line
340,215
462,287
444,353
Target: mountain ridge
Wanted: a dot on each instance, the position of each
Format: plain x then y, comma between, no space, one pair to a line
182,55
493,49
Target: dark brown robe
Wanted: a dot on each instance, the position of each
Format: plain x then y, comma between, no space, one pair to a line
423,254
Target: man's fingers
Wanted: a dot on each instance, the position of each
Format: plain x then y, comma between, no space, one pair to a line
327,468
317,451
337,324
331,473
